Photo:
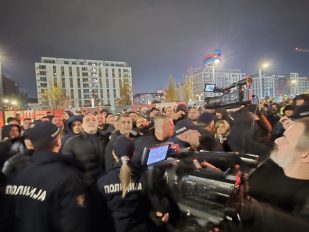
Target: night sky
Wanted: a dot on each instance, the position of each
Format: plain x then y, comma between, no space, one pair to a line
158,38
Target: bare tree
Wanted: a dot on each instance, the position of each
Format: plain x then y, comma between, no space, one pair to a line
188,90
56,97
125,94
170,94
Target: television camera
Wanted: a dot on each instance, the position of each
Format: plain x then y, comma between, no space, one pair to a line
206,186
236,94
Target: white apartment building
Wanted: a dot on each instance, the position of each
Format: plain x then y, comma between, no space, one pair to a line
264,86
276,86
298,85
209,75
86,82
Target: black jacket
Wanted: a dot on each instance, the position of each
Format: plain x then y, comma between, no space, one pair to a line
269,184
245,135
48,196
107,130
10,148
17,162
130,213
88,151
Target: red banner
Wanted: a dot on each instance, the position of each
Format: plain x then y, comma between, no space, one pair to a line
33,114
1,119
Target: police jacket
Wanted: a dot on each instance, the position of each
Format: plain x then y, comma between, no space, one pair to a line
88,151
130,213
48,196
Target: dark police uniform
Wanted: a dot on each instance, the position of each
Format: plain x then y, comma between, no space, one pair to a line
46,196
130,213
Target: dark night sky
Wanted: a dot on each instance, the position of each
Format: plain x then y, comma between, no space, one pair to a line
157,38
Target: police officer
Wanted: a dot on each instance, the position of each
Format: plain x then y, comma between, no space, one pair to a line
124,189
49,194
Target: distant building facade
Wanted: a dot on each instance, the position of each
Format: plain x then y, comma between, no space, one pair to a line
86,82
279,85
298,84
148,98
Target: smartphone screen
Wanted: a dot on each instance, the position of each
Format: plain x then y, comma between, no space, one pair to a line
157,154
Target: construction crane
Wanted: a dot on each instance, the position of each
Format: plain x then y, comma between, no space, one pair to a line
301,50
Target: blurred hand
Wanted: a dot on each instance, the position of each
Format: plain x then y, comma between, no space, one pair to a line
208,165
286,122
164,217
190,136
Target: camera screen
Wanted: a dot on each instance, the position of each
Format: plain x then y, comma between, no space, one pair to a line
209,87
157,154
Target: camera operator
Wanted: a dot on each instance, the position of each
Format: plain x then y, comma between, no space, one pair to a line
283,180
246,134
124,189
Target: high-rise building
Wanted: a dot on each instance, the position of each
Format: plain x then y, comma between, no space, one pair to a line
279,85
86,82
298,85
282,86
208,75
264,86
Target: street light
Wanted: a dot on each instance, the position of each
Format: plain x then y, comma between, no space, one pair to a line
199,96
294,87
14,102
263,66
217,61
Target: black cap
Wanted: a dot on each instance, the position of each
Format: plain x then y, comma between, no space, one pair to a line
43,133
123,146
205,118
183,126
301,112
302,97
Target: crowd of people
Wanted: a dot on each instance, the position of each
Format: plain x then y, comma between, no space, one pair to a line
83,171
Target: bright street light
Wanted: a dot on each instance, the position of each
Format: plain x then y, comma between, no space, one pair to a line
264,65
217,61
13,102
6,100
